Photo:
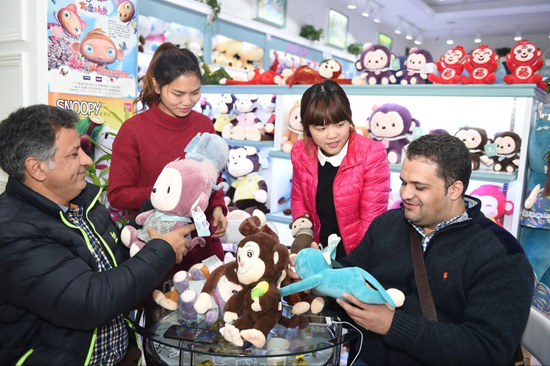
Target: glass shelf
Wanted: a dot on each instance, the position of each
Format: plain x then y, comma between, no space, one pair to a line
279,217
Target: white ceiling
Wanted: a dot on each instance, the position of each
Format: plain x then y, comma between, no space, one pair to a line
465,17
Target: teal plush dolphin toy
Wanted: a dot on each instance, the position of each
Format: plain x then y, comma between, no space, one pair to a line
316,273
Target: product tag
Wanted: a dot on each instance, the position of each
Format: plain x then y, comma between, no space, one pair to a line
417,132
264,161
201,223
428,68
490,149
395,64
212,263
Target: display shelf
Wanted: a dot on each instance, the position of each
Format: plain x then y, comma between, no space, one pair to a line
484,175
429,90
279,217
263,144
279,154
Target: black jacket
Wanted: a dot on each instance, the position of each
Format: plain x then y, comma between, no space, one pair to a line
52,299
481,282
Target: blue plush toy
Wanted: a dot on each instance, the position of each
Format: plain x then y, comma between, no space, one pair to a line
316,273
535,217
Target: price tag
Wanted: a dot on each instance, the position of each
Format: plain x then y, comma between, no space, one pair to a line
417,132
201,223
395,64
490,149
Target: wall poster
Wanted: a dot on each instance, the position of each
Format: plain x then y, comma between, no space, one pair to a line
92,47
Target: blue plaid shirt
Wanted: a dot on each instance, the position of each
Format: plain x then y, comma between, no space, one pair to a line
462,217
112,337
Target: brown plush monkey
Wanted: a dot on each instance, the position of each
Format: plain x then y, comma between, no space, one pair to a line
260,265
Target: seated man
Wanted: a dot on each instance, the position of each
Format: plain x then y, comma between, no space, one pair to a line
65,277
480,278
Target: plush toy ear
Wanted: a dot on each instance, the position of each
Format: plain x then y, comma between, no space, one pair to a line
250,226
508,207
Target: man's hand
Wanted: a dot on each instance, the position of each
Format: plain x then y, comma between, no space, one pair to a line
176,239
219,221
376,318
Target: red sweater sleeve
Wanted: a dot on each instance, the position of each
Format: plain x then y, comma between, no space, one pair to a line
125,172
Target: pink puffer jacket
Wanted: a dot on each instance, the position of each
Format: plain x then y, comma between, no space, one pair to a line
361,186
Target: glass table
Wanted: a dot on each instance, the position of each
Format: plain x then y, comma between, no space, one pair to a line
317,344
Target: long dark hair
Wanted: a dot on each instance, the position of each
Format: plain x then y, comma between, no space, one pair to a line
168,63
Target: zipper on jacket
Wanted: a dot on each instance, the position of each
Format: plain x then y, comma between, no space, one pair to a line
91,350
129,324
95,231
25,356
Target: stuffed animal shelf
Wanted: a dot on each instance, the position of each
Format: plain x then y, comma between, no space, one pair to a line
247,125
508,145
316,273
481,64
493,202
475,140
249,191
535,216
524,61
295,129
391,124
450,67
374,66
182,189
415,62
260,266
257,76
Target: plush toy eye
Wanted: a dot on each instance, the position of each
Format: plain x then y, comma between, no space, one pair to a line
128,7
66,14
168,190
234,291
393,124
249,253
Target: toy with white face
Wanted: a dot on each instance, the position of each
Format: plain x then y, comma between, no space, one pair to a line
167,190
505,145
482,55
376,60
330,69
453,56
295,120
471,138
387,125
250,267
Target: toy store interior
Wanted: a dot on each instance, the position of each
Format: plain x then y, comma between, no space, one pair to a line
478,70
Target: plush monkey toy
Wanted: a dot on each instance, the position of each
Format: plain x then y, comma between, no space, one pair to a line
374,66
475,139
302,231
412,74
523,61
450,66
391,124
481,64
508,144
260,265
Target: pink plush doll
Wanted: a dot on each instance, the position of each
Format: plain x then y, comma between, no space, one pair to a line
481,64
450,66
247,125
523,61
493,202
181,191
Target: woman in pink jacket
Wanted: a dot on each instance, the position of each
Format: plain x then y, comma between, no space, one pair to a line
340,178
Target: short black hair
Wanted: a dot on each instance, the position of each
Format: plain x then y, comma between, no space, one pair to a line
449,154
31,131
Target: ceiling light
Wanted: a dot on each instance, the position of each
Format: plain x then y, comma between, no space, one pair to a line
477,39
409,35
517,37
378,16
366,10
419,39
352,4
398,28
450,39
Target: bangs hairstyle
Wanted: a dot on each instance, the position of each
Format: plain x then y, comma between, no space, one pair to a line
324,104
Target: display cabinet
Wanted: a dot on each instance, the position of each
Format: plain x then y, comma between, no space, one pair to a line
495,108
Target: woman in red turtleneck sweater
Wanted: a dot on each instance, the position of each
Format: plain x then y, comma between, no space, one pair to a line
151,139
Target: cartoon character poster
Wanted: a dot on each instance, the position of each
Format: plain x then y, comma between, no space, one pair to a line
92,47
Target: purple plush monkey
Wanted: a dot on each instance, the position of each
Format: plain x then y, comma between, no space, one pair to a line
412,73
391,124
374,65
